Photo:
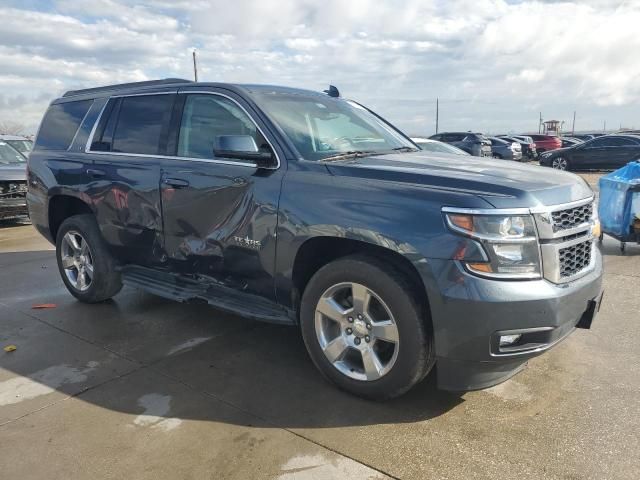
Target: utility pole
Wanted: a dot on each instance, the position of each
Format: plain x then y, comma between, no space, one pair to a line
573,125
195,67
540,123
604,127
437,113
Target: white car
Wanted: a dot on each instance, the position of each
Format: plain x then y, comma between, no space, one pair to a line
18,142
434,146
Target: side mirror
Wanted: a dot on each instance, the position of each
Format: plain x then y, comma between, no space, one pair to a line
242,147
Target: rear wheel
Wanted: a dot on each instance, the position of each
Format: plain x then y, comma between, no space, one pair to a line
86,266
364,329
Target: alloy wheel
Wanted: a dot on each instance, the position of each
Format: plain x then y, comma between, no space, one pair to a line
77,260
356,331
559,163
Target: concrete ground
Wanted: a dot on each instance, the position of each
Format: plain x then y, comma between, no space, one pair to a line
141,387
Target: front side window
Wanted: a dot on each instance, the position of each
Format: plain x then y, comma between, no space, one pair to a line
207,120
142,124
60,124
321,127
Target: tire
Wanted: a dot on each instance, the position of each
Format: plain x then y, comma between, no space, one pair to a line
102,281
560,163
404,360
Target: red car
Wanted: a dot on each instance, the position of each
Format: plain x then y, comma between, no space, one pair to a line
546,142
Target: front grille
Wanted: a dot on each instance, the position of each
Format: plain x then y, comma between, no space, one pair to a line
566,241
571,217
575,258
16,189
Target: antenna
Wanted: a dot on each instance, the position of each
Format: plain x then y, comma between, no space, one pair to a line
332,92
195,66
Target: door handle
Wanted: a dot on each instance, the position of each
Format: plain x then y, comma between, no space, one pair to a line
93,173
175,182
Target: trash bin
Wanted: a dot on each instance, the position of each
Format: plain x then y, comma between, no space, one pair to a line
619,204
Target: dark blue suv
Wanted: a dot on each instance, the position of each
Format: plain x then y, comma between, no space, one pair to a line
307,209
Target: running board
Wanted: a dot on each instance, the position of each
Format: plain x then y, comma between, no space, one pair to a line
182,288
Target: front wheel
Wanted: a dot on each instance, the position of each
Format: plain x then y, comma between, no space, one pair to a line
86,266
560,163
364,328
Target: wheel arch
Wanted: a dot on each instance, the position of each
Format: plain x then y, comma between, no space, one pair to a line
62,207
318,251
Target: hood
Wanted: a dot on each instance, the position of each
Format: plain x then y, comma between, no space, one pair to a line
502,183
13,172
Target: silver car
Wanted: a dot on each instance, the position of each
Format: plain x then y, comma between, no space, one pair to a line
504,149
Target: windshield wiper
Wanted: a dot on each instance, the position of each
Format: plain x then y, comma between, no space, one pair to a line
349,154
405,149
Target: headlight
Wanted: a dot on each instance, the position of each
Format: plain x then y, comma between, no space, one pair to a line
509,241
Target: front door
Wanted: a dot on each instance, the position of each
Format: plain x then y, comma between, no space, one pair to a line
219,214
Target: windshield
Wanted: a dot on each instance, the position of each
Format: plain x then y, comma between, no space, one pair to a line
23,146
9,155
437,147
321,127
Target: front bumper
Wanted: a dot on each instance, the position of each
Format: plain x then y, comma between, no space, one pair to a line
468,312
13,207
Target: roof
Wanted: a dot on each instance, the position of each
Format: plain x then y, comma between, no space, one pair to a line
126,86
180,82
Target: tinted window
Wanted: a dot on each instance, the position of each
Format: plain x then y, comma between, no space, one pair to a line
60,124
453,137
600,142
206,118
142,124
622,142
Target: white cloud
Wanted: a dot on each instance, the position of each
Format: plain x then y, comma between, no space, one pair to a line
493,64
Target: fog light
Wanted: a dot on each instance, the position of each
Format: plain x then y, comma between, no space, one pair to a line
506,340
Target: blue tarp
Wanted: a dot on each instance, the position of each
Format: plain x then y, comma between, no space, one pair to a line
620,199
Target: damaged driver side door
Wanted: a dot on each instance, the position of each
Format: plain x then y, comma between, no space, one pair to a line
219,212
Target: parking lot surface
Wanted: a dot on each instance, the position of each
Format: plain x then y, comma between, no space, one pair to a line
141,387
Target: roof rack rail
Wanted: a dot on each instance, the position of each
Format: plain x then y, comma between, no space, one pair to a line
122,86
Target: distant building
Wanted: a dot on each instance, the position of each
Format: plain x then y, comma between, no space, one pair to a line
552,127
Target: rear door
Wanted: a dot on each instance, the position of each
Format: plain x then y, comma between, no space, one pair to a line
126,149
623,151
220,213
591,155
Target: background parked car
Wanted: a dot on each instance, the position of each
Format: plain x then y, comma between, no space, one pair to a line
13,182
610,151
434,146
527,144
546,142
21,144
506,149
475,144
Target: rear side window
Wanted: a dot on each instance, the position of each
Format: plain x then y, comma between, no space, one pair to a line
60,124
142,124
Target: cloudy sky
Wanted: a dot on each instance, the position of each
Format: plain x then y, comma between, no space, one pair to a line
494,64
